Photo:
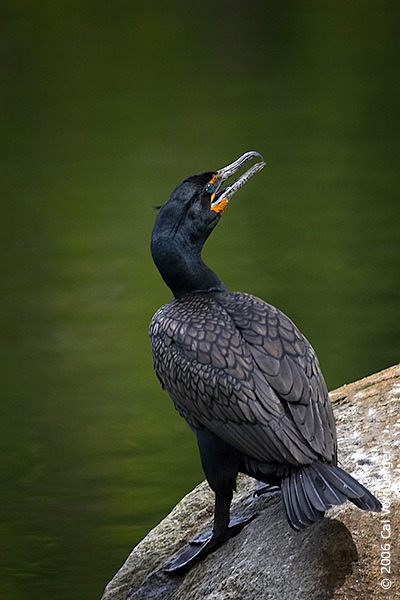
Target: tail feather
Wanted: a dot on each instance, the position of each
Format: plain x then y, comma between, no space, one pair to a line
311,514
292,511
353,489
309,491
312,491
300,509
332,492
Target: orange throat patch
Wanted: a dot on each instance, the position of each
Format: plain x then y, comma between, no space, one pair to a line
220,206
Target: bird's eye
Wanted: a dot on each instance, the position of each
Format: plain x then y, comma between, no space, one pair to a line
209,188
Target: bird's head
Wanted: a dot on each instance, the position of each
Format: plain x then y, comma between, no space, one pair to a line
197,203
187,218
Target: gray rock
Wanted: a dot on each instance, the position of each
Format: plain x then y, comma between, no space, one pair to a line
338,557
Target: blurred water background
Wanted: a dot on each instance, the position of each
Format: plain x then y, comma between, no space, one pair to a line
104,108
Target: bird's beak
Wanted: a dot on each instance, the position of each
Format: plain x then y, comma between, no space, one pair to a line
220,198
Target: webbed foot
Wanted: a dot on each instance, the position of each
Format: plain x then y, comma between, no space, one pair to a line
200,547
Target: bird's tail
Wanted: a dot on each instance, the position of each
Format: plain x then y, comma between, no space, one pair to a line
309,491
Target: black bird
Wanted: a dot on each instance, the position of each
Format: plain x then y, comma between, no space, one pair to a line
240,372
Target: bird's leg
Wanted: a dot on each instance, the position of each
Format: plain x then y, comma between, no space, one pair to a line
201,547
235,525
221,520
223,527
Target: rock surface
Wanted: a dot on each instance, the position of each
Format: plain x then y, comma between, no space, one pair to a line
339,557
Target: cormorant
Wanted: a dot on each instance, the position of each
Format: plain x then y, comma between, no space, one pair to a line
239,371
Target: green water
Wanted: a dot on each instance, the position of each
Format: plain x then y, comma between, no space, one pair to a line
104,109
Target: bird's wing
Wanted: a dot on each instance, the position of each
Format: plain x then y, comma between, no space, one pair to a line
239,367
288,365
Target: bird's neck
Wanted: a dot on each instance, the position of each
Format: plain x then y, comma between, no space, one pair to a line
183,269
